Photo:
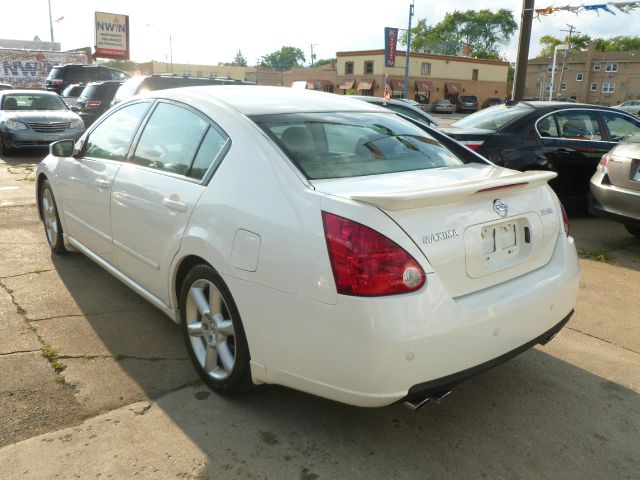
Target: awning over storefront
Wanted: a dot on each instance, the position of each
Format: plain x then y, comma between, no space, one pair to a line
422,87
365,84
346,85
397,85
453,87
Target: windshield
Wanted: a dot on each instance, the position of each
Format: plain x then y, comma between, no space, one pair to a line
345,144
494,118
32,101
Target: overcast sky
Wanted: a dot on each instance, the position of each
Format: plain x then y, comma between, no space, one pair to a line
209,31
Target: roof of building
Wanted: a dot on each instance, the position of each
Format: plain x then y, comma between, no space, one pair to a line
581,57
433,56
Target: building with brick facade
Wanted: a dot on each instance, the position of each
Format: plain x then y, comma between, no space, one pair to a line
431,77
255,74
601,78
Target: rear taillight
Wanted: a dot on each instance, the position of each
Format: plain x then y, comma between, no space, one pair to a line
57,82
565,220
366,263
472,144
91,104
603,165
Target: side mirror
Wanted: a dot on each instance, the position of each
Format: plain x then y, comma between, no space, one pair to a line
62,148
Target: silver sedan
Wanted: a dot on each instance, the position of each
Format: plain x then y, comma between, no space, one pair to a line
616,187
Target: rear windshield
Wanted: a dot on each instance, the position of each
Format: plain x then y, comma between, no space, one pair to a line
495,117
72,91
56,72
346,144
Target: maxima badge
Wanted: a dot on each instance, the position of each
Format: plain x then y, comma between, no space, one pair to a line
500,207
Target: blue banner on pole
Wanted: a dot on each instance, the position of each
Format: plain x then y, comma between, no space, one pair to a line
390,42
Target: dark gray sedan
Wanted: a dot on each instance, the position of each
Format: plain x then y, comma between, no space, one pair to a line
616,187
34,118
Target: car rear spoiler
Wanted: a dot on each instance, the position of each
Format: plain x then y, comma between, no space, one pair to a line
453,193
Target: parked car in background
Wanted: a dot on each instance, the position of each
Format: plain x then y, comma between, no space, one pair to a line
402,107
35,118
95,100
490,102
569,139
61,76
443,105
632,107
310,240
70,94
615,187
6,86
467,103
150,83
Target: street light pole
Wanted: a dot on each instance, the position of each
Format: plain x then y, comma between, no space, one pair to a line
553,67
50,21
406,66
313,57
170,43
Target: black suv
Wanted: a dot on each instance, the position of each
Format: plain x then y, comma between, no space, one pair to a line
62,75
145,83
95,100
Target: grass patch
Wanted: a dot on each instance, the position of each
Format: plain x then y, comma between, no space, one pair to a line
51,354
120,357
32,328
38,270
60,379
596,255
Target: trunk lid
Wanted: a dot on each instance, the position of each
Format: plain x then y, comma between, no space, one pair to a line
477,225
624,166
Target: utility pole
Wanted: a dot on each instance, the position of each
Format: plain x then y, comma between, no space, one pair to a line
564,59
50,21
523,50
406,66
313,57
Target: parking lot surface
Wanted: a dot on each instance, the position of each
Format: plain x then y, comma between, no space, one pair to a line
96,383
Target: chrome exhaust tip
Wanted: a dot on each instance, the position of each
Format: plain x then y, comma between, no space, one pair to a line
436,397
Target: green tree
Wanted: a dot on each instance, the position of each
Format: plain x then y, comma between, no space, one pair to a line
578,43
617,44
239,60
323,61
483,30
284,59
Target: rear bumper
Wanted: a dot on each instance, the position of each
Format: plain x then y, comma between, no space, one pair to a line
450,381
376,351
613,203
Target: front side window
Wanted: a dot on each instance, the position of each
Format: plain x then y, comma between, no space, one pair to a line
426,69
622,128
111,139
608,87
346,144
578,125
170,139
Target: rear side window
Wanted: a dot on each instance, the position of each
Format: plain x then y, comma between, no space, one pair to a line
494,118
213,146
345,144
170,139
111,139
578,125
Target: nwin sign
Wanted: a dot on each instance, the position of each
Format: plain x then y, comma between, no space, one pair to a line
112,36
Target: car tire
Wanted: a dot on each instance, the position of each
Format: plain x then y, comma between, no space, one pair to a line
213,331
635,231
51,219
4,150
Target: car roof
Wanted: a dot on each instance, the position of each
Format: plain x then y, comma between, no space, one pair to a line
26,91
263,100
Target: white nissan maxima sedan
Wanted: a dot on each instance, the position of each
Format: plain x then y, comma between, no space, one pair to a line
314,241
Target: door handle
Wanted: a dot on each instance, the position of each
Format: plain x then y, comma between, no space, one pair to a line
174,204
103,183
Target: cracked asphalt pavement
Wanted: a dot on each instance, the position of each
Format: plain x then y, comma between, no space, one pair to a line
96,383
